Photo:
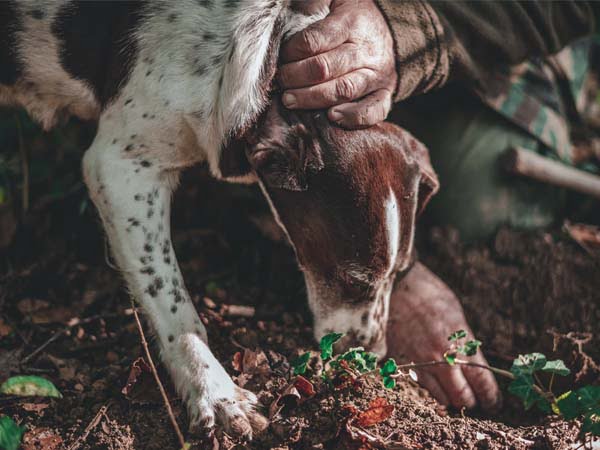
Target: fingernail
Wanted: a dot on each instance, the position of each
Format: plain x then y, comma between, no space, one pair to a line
289,100
335,115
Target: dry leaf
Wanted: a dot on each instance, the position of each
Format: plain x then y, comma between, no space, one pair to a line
41,439
237,362
305,387
587,236
289,397
34,407
378,411
66,368
141,386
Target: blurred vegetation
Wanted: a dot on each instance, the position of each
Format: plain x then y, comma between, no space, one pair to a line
37,167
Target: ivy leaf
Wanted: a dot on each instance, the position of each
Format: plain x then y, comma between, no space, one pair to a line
29,385
470,348
557,367
10,434
528,364
522,387
388,368
457,335
299,364
389,382
568,405
589,396
326,344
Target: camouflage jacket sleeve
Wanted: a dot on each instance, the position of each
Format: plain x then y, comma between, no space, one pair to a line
438,41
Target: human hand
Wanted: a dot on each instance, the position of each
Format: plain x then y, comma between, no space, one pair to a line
344,62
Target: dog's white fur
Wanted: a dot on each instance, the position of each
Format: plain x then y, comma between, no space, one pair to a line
164,118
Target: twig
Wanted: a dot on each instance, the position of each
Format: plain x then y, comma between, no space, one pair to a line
461,362
155,373
95,421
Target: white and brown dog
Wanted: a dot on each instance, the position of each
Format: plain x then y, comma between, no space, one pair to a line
175,83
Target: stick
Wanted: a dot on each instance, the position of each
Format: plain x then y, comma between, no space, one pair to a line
158,382
529,164
24,167
95,421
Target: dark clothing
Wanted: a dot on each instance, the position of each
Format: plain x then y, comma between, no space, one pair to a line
441,41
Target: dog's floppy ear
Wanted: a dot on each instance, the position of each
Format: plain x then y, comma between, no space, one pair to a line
429,183
284,154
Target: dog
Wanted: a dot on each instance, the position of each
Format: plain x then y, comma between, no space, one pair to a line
172,84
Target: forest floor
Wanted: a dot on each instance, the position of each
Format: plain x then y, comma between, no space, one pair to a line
65,315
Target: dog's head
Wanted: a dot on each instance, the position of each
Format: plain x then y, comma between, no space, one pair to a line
347,201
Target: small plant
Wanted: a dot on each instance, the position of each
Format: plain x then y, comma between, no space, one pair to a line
526,374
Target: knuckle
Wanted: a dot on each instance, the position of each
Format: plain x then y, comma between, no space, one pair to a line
310,41
345,89
319,69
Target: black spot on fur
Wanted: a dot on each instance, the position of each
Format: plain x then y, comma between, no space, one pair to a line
159,283
171,338
174,309
128,101
10,23
152,291
146,259
145,115
133,136
97,44
150,213
172,17
208,36
175,282
148,73
231,3
148,248
138,197
145,163
128,148
114,141
167,259
205,3
148,270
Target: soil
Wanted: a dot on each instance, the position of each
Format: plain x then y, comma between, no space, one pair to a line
64,315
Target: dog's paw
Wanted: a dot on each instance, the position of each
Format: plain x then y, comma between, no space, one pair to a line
212,398
236,414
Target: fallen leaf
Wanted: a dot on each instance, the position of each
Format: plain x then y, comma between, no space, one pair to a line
29,385
34,407
289,397
378,411
237,362
255,362
41,439
587,236
141,386
304,387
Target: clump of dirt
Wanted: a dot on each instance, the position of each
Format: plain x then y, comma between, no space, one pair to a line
64,315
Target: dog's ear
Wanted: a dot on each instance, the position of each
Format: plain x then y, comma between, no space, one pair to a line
285,154
429,183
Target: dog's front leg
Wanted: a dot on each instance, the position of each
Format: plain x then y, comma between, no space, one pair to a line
133,195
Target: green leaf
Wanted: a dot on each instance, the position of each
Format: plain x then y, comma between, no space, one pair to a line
388,368
591,423
450,358
557,367
522,387
370,360
470,348
457,335
326,344
299,364
568,405
10,434
589,396
389,382
29,385
527,364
